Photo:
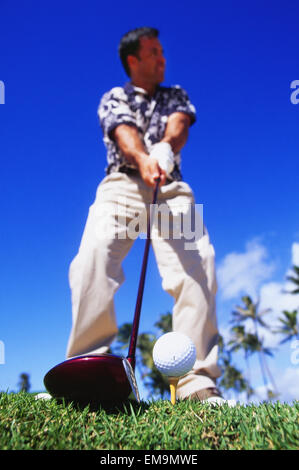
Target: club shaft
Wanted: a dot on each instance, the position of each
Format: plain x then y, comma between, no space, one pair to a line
136,320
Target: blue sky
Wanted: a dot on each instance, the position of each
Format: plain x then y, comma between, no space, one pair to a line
237,62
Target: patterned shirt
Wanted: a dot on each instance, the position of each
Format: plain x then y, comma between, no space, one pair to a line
133,106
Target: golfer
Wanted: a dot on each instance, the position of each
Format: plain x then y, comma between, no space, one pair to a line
145,126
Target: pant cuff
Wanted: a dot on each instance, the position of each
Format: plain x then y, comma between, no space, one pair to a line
193,383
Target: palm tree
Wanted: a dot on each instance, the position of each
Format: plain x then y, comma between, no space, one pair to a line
122,339
24,383
251,342
164,324
249,312
242,341
238,342
289,321
231,378
290,327
254,344
295,279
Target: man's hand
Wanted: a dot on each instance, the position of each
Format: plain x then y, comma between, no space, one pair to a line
132,147
163,153
150,171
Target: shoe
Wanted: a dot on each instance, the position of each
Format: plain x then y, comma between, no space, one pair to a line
43,396
211,395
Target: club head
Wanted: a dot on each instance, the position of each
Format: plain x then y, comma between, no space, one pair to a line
98,379
131,377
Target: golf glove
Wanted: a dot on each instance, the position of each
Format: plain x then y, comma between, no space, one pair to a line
163,153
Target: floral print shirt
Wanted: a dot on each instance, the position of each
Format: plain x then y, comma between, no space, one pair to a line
133,106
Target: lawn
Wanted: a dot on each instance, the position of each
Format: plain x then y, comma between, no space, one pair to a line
43,425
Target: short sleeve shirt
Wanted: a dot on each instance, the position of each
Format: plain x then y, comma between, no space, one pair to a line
133,106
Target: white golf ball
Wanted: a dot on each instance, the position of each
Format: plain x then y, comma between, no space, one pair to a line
174,354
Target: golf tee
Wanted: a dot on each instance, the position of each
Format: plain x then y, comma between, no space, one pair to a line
173,381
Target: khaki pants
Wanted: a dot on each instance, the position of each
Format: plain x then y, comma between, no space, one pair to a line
187,275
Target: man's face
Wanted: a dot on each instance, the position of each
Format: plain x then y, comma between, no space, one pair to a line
150,64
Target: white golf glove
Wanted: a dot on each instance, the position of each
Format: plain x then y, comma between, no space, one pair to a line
163,153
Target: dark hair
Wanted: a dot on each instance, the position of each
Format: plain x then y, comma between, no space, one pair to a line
129,43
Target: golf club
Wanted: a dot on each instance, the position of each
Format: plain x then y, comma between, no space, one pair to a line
104,379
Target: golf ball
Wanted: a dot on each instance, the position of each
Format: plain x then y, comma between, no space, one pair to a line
174,354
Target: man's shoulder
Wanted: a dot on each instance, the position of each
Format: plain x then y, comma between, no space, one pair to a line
172,89
117,92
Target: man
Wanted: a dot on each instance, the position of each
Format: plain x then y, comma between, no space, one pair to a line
145,126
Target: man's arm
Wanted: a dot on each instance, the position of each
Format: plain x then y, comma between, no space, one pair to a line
177,131
132,147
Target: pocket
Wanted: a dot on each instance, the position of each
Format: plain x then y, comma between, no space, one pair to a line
112,178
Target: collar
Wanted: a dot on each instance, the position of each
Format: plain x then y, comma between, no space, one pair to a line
132,90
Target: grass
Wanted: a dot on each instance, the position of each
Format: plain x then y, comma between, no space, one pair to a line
43,425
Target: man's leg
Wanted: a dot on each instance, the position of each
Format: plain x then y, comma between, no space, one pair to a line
189,276
96,272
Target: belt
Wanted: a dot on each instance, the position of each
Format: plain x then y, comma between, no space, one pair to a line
129,171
